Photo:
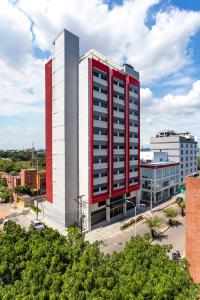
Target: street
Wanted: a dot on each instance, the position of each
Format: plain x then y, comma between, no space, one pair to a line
175,236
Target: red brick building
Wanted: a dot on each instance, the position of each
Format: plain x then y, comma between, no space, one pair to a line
192,234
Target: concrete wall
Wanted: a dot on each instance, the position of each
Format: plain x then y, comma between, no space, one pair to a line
65,126
84,138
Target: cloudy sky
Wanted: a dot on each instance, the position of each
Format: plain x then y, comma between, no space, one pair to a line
160,38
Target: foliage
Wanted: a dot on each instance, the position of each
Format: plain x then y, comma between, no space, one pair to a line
24,189
171,213
5,194
24,156
35,208
182,207
3,182
154,224
8,166
131,222
45,265
198,162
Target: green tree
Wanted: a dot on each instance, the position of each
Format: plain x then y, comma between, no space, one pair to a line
24,189
3,182
5,194
198,162
182,207
171,213
45,265
154,224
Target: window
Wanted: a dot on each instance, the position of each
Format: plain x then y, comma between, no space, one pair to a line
104,76
95,88
96,175
95,146
102,203
104,146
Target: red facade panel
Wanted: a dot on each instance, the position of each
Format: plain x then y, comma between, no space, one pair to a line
134,82
97,64
48,127
158,167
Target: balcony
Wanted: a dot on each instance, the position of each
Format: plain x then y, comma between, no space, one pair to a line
133,117
118,126
118,114
100,152
100,81
100,109
118,89
100,124
133,129
100,180
99,95
99,137
133,152
133,162
133,140
99,166
119,139
119,151
133,94
118,101
133,106
119,164
118,176
133,174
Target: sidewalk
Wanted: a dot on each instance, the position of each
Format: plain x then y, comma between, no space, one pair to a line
106,232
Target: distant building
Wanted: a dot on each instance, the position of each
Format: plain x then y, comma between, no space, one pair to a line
159,177
192,231
35,179
181,148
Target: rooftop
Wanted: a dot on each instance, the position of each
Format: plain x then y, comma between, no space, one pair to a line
160,164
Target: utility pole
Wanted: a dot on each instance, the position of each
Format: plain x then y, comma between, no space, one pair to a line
79,200
32,153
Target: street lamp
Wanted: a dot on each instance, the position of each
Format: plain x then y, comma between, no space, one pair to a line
135,210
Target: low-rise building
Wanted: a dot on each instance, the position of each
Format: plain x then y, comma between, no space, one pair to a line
159,177
35,179
181,148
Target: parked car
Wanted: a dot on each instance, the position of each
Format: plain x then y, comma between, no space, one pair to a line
179,200
37,224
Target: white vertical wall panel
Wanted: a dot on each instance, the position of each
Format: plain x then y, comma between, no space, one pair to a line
84,136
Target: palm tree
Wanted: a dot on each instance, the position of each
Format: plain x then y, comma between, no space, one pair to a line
153,224
182,206
171,214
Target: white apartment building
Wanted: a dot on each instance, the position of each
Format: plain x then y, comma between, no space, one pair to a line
181,148
92,136
159,177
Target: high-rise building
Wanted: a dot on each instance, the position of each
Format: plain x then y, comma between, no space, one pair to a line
181,148
95,136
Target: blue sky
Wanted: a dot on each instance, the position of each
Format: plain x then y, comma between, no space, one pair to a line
161,39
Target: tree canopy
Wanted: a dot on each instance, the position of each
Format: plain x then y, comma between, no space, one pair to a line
45,265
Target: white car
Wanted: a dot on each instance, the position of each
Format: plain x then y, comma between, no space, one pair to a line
37,224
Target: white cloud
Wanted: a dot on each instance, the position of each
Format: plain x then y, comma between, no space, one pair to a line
177,112
120,33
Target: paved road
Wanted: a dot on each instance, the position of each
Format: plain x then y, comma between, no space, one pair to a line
118,241
176,237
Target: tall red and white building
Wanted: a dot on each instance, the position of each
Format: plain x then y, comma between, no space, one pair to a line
92,135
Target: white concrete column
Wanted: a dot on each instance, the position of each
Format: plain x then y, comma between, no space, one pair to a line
124,209
108,211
